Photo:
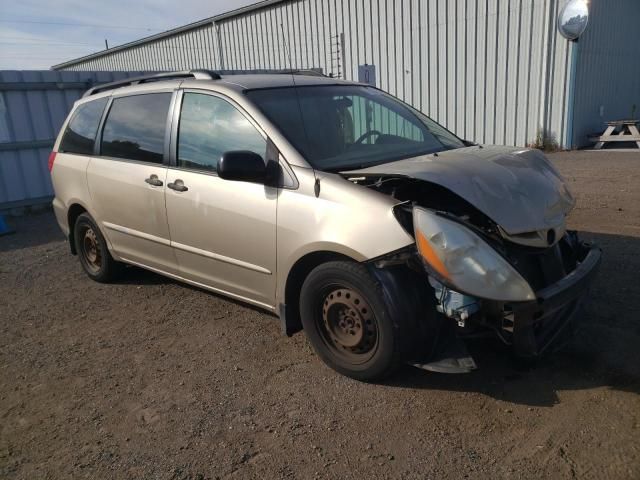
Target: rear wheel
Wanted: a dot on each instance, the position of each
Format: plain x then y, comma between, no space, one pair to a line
92,250
347,322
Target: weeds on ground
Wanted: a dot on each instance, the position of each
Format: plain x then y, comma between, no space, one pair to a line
545,141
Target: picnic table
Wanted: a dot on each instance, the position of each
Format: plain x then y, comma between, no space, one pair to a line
618,131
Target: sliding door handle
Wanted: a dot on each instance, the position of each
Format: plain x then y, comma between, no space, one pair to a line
154,180
178,186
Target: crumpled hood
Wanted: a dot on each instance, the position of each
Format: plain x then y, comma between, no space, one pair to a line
518,189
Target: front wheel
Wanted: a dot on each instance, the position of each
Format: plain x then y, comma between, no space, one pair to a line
347,322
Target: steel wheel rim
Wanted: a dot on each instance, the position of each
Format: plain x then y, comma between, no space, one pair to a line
348,325
91,250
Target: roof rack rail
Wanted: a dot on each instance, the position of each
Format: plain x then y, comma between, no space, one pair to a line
303,71
197,74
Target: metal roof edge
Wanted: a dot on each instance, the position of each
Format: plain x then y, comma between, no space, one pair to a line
169,33
245,9
141,41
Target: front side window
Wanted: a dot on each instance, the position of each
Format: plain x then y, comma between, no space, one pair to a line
210,126
80,134
135,127
339,127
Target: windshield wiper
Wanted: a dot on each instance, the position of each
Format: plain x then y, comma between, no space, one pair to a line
353,166
360,166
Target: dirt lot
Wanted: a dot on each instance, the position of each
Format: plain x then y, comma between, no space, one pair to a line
149,378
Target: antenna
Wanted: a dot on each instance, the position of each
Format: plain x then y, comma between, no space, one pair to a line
288,52
295,89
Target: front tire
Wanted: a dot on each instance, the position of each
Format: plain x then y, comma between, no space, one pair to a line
347,322
92,250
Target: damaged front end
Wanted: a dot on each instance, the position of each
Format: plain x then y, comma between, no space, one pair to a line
526,287
527,295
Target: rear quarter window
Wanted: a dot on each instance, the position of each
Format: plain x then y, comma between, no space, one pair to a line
80,134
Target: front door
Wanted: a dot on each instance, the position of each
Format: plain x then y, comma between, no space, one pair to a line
127,180
223,232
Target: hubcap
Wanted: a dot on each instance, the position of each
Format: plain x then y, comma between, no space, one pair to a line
91,250
349,322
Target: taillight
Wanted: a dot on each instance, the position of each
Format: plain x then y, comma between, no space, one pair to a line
52,158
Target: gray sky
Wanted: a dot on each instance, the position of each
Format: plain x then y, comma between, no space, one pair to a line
35,34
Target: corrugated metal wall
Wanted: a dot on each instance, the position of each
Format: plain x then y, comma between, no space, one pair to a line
33,106
493,71
608,71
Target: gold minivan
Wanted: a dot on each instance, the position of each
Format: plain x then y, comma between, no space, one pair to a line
345,212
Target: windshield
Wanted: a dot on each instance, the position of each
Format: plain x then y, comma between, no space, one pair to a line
341,127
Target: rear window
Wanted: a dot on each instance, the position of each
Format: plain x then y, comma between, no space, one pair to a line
81,131
135,127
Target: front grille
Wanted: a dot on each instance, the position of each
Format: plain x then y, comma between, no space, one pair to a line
542,267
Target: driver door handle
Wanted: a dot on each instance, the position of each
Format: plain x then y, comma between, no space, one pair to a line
154,180
178,186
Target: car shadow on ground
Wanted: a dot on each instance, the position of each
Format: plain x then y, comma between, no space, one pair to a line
504,378
604,350
139,276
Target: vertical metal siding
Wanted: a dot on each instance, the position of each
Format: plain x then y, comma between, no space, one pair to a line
493,71
34,116
608,73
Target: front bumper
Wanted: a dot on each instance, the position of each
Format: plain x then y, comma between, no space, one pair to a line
538,323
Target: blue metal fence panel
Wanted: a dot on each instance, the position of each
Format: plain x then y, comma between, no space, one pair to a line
33,106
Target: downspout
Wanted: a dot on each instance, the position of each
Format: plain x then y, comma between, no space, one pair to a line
548,34
344,56
220,49
569,139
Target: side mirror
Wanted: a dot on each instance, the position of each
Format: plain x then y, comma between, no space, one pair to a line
242,166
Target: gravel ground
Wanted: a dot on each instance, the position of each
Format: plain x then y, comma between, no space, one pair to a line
148,378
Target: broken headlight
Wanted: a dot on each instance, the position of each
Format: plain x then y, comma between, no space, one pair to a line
461,259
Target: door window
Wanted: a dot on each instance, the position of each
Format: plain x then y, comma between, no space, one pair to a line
209,127
135,127
80,135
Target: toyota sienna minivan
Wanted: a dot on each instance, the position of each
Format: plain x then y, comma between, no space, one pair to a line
342,210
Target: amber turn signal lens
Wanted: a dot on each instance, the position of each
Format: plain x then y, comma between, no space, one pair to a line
429,254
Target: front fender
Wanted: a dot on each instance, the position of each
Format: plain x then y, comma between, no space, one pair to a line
345,218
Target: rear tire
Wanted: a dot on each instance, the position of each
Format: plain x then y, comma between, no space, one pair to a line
347,322
93,252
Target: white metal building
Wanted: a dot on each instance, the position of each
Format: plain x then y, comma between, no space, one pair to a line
492,71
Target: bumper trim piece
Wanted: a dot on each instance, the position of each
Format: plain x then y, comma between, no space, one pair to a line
574,284
537,324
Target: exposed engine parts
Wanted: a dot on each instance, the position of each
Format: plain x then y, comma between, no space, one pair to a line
542,258
454,305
